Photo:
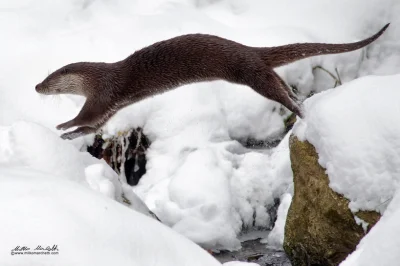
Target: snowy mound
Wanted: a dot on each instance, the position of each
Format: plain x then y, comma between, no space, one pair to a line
86,227
355,131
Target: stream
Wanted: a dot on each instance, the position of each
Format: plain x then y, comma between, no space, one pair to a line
254,251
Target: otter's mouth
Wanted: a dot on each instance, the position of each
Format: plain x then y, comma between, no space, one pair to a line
61,84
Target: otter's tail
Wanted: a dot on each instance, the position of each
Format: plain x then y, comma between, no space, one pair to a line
285,54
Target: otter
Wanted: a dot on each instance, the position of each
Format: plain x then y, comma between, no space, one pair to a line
185,59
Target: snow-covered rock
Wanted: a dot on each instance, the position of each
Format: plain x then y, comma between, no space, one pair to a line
355,131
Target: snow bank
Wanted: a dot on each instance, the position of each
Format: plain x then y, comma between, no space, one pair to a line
199,180
88,228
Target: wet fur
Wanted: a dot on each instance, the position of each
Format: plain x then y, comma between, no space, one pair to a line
168,64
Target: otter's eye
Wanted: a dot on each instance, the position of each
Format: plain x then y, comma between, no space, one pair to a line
65,71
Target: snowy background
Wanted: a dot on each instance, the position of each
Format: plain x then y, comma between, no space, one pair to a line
200,180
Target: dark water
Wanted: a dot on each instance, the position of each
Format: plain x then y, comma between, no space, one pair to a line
254,251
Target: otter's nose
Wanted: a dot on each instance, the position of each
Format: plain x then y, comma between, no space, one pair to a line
37,87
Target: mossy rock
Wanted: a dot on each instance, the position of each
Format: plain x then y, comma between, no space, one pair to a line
320,228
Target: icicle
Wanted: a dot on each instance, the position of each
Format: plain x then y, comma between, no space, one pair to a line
138,142
114,157
124,142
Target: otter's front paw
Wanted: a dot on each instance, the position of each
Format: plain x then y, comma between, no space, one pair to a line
71,135
65,125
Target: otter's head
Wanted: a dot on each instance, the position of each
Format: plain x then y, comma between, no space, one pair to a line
70,79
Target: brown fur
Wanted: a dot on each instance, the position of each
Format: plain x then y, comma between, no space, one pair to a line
168,64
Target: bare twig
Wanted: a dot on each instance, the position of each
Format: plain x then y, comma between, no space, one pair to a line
337,79
386,201
338,76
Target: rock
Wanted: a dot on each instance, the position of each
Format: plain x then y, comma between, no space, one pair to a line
125,153
320,228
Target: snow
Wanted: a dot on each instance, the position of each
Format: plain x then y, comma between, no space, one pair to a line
88,228
200,180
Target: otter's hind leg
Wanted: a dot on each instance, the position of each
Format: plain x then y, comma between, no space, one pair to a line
271,86
291,94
